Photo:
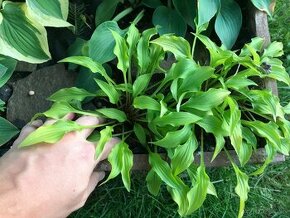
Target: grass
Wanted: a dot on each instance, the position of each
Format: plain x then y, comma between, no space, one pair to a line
269,195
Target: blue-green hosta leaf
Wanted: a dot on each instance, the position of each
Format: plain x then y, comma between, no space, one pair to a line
69,94
152,3
22,38
146,102
102,42
178,46
121,51
197,194
228,22
109,90
173,139
140,133
52,13
140,84
168,20
177,119
7,67
105,136
7,131
242,189
187,10
105,11
206,10
264,5
51,133
153,182
121,160
183,155
205,101
113,113
143,53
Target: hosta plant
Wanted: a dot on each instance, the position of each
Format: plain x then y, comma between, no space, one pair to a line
179,110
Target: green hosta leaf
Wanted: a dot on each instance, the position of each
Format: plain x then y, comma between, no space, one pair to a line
287,108
228,22
133,36
162,169
105,11
239,81
211,189
102,42
195,79
182,69
256,44
242,189
69,94
7,131
143,53
206,10
146,102
7,67
179,196
59,109
235,127
140,84
121,51
51,133
197,194
264,102
178,46
269,131
20,37
175,138
275,49
121,160
153,182
168,21
177,119
113,113
109,90
205,101
140,133
187,10
264,5
105,136
89,63
277,71
183,155
49,13
2,105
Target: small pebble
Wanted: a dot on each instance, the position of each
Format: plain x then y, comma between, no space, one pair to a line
31,93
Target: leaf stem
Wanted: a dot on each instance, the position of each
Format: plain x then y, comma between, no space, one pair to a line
193,45
123,14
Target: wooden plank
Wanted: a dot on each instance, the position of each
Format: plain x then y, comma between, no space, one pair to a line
141,160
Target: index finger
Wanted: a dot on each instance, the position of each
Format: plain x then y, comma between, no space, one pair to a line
88,121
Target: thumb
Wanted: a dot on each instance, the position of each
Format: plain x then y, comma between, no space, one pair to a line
95,178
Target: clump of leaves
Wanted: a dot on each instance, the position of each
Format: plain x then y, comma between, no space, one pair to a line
176,109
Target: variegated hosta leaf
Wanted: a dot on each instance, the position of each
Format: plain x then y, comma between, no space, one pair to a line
21,37
49,13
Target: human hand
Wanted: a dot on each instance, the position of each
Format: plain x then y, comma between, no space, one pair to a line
50,180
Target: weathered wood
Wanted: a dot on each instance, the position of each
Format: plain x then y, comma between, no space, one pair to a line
141,160
260,28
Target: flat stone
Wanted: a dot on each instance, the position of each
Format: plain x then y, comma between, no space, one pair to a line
24,66
30,94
